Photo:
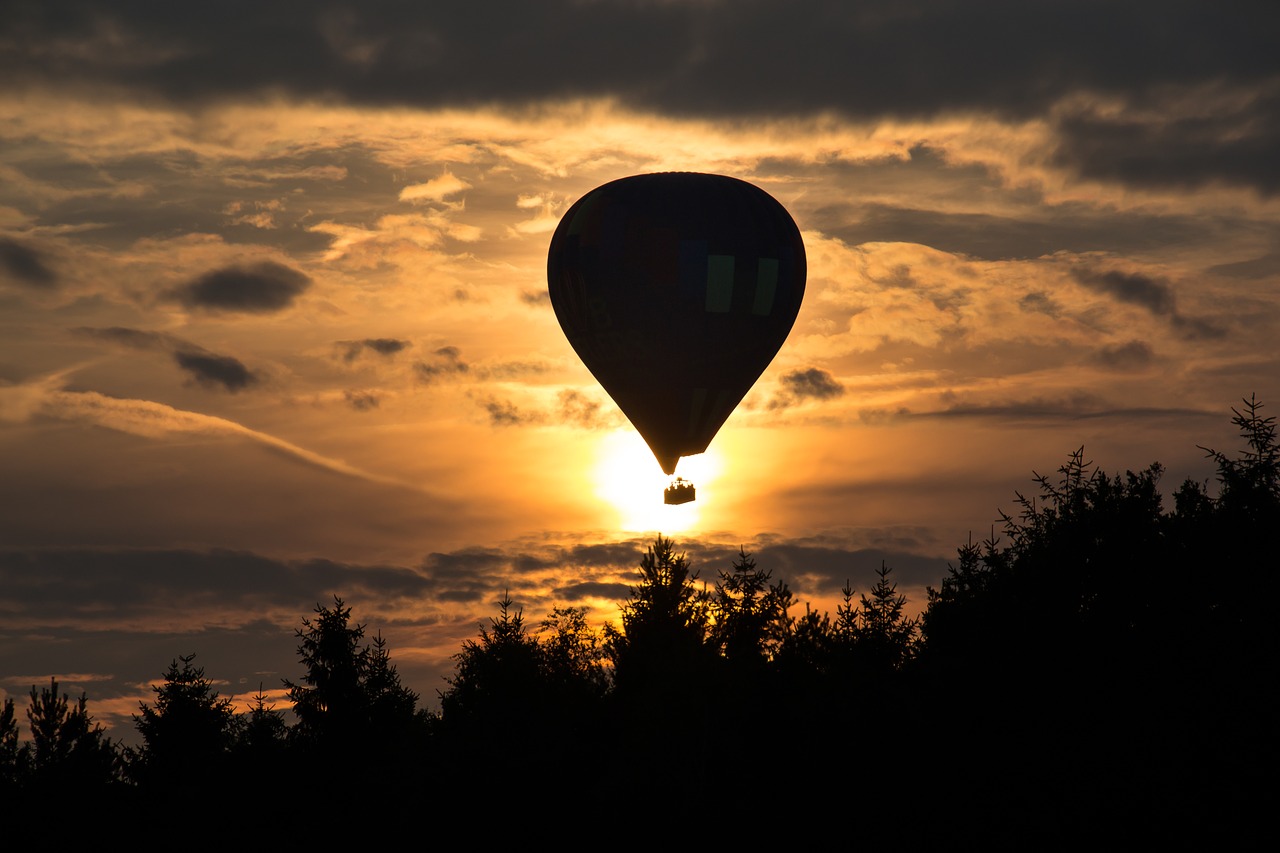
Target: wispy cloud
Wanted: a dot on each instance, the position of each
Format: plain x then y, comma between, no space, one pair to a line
45,397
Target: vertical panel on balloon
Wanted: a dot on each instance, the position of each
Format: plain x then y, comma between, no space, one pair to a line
719,283
766,286
693,269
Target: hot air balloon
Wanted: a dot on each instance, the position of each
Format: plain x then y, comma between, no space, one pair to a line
676,290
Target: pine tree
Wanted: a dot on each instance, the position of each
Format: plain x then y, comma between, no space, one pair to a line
187,733
67,749
350,704
9,750
750,614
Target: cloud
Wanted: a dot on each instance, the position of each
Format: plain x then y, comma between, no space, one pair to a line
216,370
386,347
25,264
1135,288
1255,268
880,56
1132,355
436,189
447,362
811,384
504,413
361,401
1155,295
1187,140
1040,303
133,338
577,409
257,288
207,369
45,397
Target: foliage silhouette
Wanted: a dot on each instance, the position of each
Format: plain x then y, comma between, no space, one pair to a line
662,655
68,750
353,713
497,679
262,737
187,734
9,749
749,615
1101,661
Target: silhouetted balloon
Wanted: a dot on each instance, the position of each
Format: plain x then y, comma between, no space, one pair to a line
676,290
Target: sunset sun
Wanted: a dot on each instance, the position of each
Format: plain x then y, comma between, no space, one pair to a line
628,479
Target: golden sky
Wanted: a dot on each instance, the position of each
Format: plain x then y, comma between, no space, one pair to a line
274,323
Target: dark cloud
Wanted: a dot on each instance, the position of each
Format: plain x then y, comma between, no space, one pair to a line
537,298
207,369
1198,328
1233,146
579,591
1082,404
504,413
580,410
811,384
1254,268
361,401
1133,355
133,338
1135,288
1073,227
465,563
387,347
696,58
106,587
510,369
834,567
25,264
447,361
213,371
1040,303
1155,295
97,611
257,288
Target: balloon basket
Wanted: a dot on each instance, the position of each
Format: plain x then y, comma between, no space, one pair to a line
681,491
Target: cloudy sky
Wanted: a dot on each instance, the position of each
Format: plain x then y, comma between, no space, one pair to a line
274,324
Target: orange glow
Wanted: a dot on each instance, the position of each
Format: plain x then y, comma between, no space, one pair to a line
629,479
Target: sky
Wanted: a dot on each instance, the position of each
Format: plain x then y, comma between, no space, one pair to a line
274,325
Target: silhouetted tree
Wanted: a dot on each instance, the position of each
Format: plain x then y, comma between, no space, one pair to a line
67,749
574,657
186,734
1115,639
806,650
662,648
263,732
1251,481
884,636
8,746
750,615
497,680
664,669
352,709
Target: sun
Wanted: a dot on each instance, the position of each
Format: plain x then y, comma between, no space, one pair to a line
629,479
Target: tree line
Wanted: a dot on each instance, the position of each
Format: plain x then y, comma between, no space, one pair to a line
1102,661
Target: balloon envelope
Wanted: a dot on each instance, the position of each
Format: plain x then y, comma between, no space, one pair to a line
676,290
